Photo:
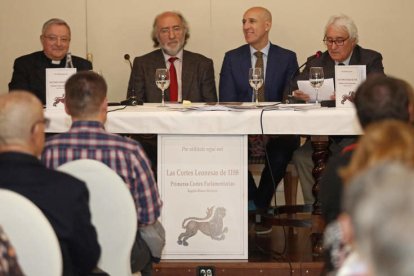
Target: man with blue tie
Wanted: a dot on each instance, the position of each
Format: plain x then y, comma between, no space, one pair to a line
278,65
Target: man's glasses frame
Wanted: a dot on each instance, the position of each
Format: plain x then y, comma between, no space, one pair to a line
54,39
338,41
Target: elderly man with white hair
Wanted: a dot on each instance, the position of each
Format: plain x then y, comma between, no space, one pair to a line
341,40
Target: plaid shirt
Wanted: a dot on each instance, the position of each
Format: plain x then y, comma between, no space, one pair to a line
89,140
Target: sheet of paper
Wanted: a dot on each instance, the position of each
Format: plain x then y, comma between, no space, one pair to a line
55,86
347,80
325,92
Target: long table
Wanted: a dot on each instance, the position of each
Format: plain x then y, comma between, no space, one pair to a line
149,118
240,121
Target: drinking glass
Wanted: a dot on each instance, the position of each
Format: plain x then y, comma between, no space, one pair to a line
316,79
256,81
162,80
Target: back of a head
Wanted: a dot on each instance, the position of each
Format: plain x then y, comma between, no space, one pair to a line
381,97
380,203
85,92
19,111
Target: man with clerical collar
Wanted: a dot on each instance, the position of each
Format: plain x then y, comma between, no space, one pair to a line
194,73
29,71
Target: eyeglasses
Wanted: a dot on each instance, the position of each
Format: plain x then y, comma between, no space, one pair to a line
175,29
54,39
45,121
338,41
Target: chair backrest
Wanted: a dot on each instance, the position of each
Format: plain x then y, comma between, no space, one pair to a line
113,213
31,235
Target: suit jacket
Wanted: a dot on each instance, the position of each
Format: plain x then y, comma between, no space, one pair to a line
29,72
198,84
360,56
234,75
63,200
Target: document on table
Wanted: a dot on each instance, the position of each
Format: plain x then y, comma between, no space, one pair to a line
325,92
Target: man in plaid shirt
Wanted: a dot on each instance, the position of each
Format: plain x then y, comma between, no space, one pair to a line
86,103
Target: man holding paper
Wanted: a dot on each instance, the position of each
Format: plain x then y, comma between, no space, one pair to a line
29,71
341,40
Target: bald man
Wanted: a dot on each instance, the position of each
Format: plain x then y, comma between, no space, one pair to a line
64,200
279,64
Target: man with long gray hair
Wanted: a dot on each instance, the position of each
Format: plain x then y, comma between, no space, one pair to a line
194,72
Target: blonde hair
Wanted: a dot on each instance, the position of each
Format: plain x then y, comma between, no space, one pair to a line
388,140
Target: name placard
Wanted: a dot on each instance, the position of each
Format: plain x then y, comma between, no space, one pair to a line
203,185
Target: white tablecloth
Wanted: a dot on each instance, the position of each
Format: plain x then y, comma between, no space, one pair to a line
152,119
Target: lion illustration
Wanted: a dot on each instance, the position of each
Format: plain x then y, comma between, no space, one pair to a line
59,100
212,228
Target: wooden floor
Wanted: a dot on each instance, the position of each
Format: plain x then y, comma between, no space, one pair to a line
285,251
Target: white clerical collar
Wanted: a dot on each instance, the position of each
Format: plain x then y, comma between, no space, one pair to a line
265,50
57,62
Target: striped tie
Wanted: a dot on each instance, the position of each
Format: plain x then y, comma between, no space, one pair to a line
259,64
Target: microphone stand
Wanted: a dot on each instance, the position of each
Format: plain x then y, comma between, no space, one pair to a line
289,98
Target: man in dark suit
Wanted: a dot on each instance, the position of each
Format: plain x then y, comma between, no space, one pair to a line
195,72
62,198
278,64
341,38
29,71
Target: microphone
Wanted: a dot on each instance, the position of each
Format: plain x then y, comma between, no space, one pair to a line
128,58
315,56
318,54
132,100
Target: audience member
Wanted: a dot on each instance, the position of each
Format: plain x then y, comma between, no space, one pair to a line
62,198
86,103
29,71
194,72
386,140
380,206
278,64
377,99
341,40
9,265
